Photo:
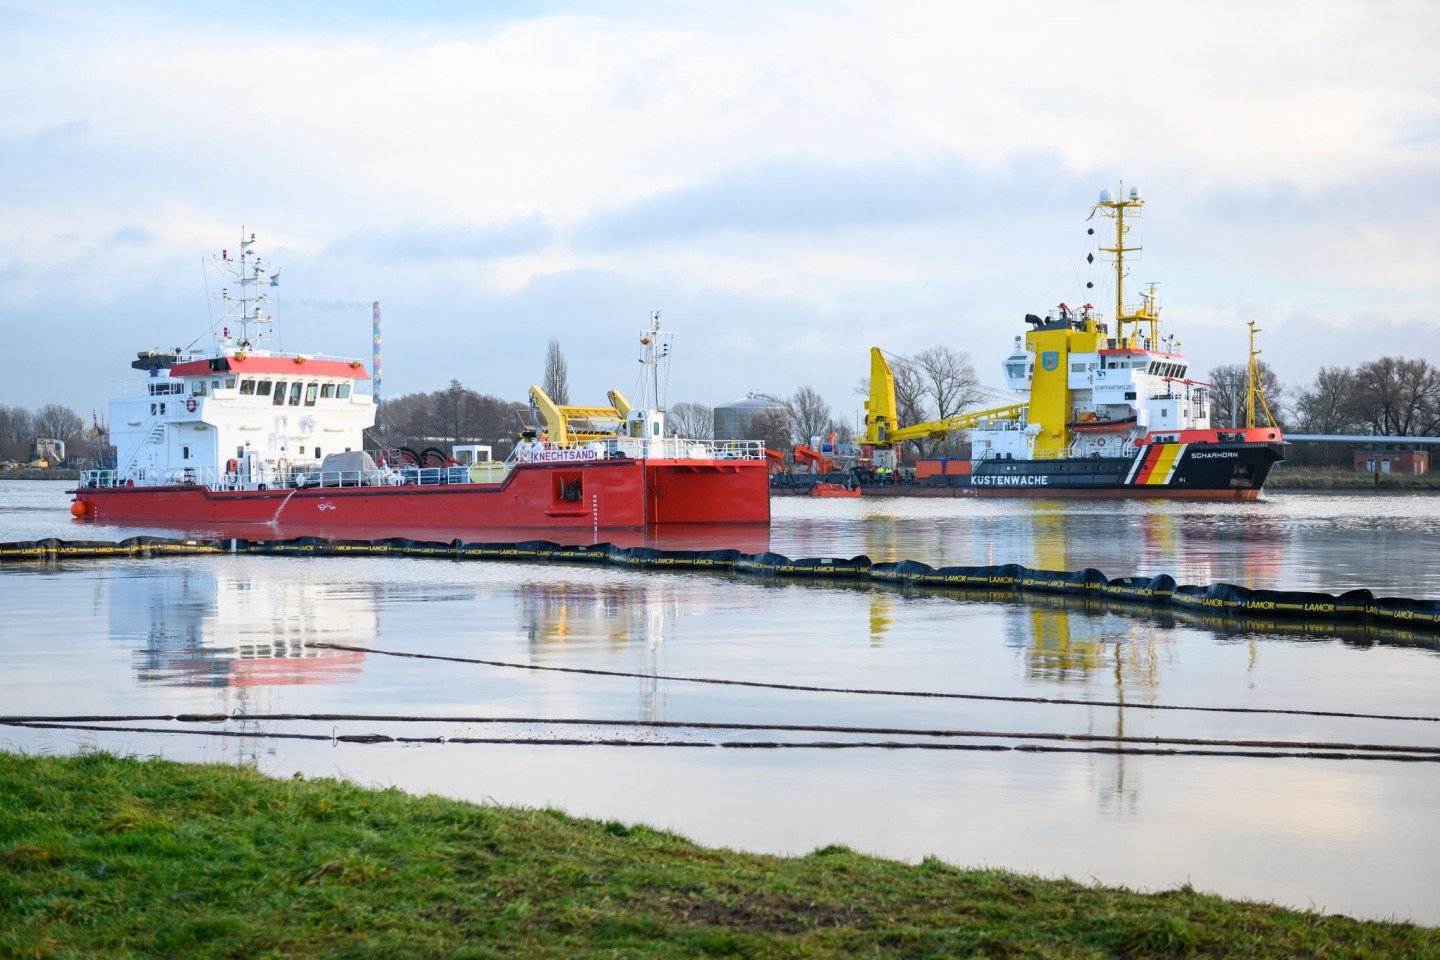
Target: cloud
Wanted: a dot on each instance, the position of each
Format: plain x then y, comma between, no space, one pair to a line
415,242
815,197
789,183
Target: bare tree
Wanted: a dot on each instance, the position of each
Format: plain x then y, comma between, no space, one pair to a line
1328,406
1229,392
694,421
1396,397
773,428
950,381
16,431
452,415
60,423
557,377
809,415
951,388
937,383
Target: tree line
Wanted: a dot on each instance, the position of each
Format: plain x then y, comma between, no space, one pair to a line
20,428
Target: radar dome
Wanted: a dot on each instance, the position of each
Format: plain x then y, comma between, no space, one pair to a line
1106,196
1134,193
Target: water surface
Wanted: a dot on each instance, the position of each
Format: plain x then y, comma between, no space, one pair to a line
251,637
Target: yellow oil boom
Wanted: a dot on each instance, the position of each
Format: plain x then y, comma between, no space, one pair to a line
882,429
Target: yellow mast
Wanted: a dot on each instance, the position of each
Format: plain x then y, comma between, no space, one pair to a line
1148,312
1254,389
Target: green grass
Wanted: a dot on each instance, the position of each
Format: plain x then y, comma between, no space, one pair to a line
1288,476
108,857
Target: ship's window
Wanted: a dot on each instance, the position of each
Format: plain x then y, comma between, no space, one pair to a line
214,385
152,409
247,388
185,453
162,409
1077,368
279,392
229,383
317,454
262,388
197,388
327,391
295,389
1014,370
343,391
312,390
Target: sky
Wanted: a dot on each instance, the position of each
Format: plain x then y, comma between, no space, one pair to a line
788,183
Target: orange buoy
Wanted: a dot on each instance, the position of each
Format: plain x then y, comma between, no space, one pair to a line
78,509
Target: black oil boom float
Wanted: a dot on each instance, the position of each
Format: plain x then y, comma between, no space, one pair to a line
984,582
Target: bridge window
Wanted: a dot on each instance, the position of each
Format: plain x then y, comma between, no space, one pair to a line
295,389
262,388
311,391
342,391
247,387
279,393
327,391
197,388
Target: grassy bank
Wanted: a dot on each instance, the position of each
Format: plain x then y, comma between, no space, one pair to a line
1287,476
101,856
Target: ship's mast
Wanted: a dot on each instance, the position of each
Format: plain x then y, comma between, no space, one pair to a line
1254,391
656,350
245,310
1148,311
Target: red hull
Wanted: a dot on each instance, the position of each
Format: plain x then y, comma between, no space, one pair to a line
614,494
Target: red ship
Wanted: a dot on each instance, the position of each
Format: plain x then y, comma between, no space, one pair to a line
243,435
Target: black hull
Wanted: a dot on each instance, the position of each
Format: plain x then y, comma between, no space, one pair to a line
1199,471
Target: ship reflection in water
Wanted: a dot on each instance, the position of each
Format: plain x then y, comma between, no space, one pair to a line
200,628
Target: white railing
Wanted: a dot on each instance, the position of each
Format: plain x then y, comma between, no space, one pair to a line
282,475
639,448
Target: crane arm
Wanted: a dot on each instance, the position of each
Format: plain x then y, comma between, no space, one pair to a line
566,424
965,421
618,401
880,408
882,426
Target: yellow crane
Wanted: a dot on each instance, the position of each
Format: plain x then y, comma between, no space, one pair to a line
571,425
883,430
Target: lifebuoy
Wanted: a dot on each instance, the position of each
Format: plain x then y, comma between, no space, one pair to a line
1100,442
190,405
